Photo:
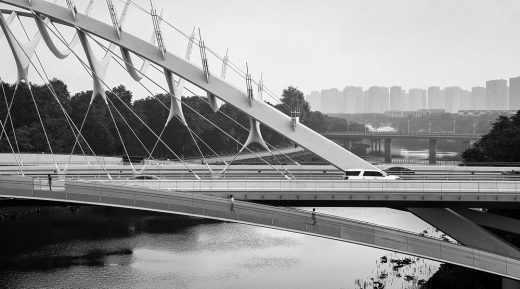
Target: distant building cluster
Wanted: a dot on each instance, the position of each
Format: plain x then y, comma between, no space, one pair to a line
496,96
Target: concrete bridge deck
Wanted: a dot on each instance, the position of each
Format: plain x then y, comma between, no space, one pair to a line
288,219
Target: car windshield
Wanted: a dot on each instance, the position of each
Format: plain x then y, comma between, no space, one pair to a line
373,174
352,173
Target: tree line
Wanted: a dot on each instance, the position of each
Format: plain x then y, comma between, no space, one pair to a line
500,144
102,135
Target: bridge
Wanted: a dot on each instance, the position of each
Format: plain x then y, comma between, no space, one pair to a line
376,138
444,204
288,219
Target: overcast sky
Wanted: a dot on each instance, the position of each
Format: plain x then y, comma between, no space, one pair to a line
315,45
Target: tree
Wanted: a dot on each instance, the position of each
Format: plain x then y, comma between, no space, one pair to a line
501,144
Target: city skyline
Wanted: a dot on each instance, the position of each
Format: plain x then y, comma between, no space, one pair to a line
497,94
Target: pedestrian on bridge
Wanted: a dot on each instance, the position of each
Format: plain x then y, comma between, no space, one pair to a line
314,216
232,200
49,178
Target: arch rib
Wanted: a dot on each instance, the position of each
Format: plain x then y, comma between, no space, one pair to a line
48,40
9,21
99,68
22,51
176,90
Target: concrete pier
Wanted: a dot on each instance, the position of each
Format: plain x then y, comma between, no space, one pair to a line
432,151
388,150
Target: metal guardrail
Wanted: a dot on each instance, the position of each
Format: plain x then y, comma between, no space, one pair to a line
317,186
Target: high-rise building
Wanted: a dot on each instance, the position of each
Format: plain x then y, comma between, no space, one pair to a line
514,93
496,94
332,101
354,101
314,100
478,96
396,98
466,102
416,99
377,99
452,97
434,97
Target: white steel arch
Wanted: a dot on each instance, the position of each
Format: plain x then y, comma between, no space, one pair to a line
257,109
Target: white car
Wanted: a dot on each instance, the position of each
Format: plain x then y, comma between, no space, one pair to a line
362,174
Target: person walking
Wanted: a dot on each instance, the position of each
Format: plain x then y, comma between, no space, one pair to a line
232,200
313,216
49,178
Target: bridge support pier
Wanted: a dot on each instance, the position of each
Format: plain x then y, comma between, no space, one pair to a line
465,231
466,144
510,283
432,153
388,150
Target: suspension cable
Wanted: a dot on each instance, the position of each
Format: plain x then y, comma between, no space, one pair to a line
18,162
79,132
192,109
54,94
236,122
7,137
85,66
41,122
9,117
192,133
233,66
120,137
131,129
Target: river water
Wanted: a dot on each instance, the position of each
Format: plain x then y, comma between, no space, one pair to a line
95,247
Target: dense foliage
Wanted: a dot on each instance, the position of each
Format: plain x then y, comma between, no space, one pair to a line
455,277
501,144
215,129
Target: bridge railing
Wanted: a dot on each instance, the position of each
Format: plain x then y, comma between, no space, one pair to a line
317,186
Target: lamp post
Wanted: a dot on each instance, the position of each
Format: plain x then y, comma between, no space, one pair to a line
454,121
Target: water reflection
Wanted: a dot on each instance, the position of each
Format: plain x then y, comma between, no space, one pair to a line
97,247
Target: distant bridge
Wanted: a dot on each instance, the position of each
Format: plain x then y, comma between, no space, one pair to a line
403,135
376,138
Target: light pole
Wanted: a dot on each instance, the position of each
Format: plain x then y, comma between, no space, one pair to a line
454,121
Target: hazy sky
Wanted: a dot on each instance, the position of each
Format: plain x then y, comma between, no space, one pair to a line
322,44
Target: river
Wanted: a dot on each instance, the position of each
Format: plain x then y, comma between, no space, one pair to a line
95,247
